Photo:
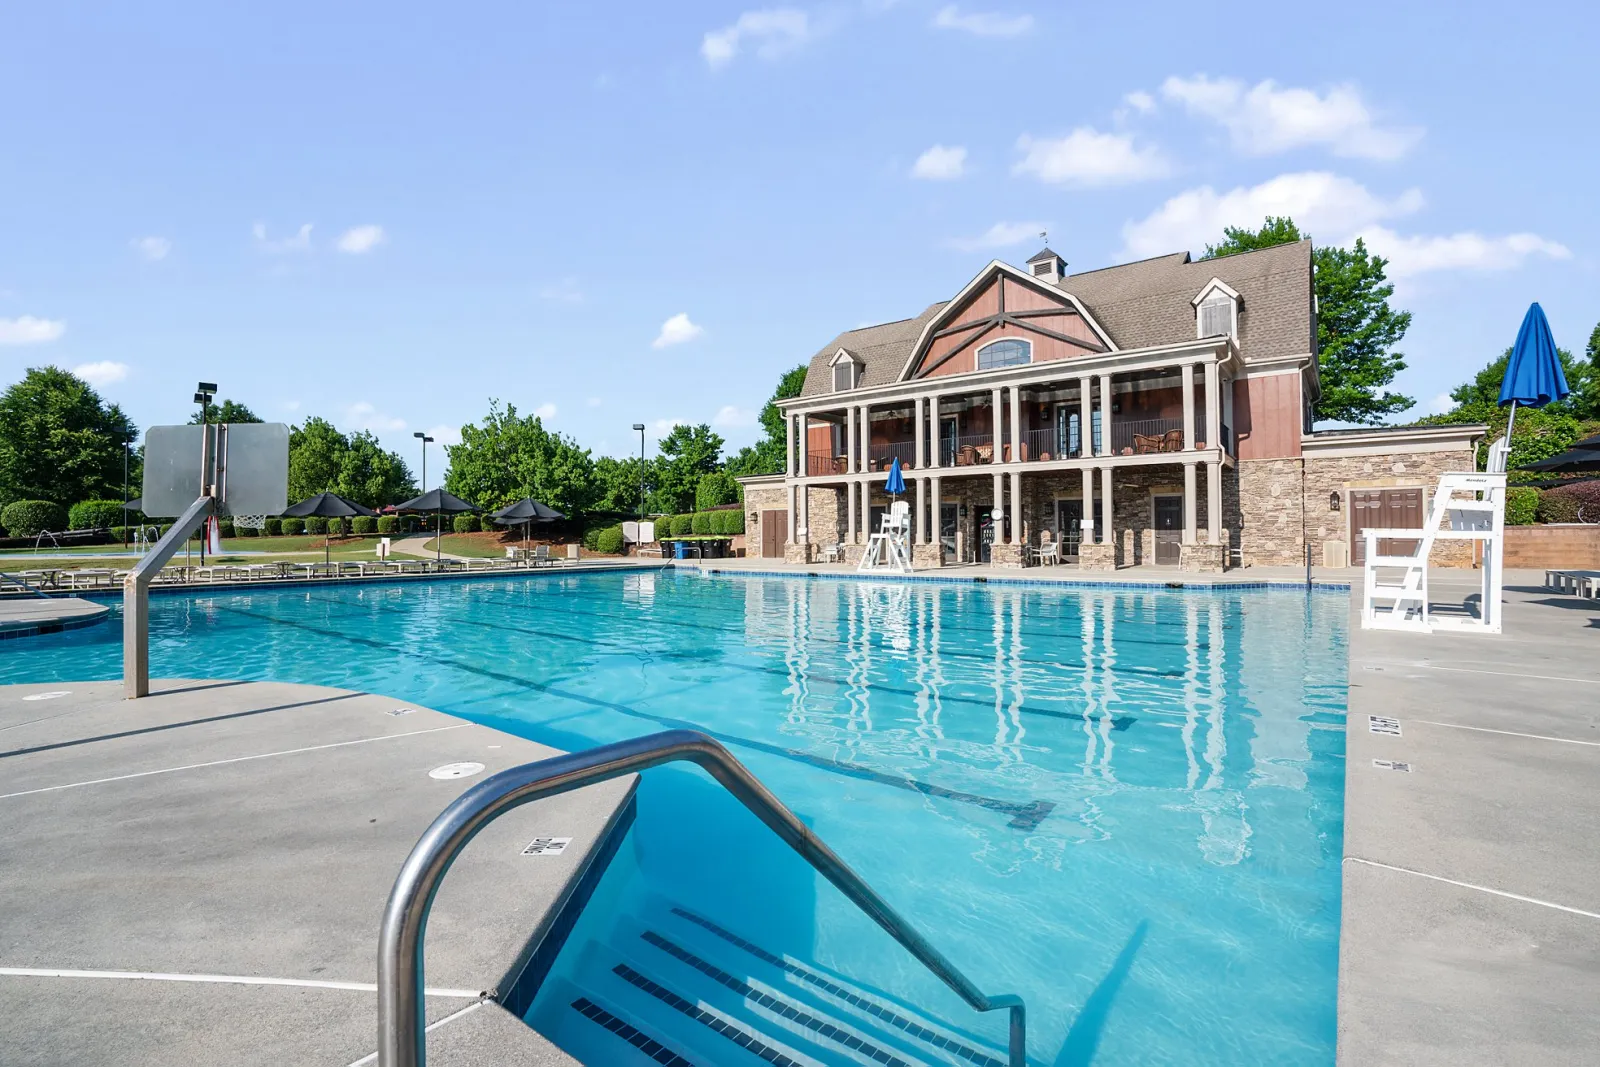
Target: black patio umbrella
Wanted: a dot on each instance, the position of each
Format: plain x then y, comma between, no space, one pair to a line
1573,461
526,511
437,501
326,506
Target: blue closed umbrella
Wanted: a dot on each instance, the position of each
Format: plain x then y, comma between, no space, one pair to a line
897,481
1533,373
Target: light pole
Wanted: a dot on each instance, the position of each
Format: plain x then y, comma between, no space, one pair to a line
424,438
203,392
125,449
640,427
202,396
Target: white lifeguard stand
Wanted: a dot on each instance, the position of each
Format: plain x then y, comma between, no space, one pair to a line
1466,507
890,547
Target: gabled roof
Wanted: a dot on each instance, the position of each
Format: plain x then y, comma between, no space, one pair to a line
1044,253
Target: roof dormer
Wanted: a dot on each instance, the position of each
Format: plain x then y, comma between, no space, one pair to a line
1216,310
1047,267
846,368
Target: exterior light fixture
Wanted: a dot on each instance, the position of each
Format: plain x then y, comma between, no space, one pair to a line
1333,500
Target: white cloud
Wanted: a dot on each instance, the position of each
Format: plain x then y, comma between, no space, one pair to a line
1419,254
982,23
446,434
1440,404
359,239
300,242
1327,205
565,291
1267,118
1000,235
940,163
1140,101
364,416
772,33
662,427
104,372
291,405
545,411
594,401
731,417
28,330
1087,157
152,248
676,330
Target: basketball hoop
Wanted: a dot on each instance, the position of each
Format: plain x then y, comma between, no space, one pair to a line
250,522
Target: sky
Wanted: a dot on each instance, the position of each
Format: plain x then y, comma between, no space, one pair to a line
388,214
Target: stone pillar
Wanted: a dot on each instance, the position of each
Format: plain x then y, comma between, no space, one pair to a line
995,409
1016,427
1017,535
1190,502
1188,405
1213,500
1107,448
1213,407
1107,529
919,425
1086,425
850,446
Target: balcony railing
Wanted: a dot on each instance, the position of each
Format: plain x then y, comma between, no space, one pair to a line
820,463
881,454
1143,436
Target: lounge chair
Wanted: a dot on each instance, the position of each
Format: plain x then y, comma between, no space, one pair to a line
1049,550
1146,443
541,555
833,553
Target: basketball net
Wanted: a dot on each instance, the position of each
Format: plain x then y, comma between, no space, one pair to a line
250,522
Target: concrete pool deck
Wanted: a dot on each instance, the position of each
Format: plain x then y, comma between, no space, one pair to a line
47,615
1471,888
197,877
1064,574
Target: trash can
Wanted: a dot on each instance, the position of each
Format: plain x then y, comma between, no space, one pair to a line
680,550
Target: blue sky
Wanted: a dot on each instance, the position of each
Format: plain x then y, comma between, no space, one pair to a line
387,214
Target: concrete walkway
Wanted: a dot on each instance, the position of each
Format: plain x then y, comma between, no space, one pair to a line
1471,911
417,545
197,877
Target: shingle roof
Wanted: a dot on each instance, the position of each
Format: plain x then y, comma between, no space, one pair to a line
1140,304
1043,253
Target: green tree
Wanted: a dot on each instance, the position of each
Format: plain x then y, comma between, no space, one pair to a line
508,457
1356,328
371,476
59,441
686,453
617,483
766,455
715,489
1538,433
316,458
227,411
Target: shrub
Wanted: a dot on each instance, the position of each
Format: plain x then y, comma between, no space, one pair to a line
292,527
466,522
94,515
364,524
700,522
388,524
727,522
225,527
316,525
682,525
1558,504
274,528
591,538
338,527
1522,505
28,518
714,489
609,541
120,533
246,531
735,521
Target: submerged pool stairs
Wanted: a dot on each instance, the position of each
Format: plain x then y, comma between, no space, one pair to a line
668,986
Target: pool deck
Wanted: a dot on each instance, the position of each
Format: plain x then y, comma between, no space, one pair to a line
1067,574
197,877
47,615
1471,888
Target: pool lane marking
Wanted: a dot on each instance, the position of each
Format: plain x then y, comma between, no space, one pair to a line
235,759
372,1057
219,979
1508,733
1024,816
1479,888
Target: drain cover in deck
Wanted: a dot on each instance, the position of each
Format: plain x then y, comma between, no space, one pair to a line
456,770
547,846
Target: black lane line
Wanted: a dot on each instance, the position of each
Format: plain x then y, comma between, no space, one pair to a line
172,726
1023,816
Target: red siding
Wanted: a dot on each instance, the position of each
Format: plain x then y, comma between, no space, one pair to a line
1267,413
961,347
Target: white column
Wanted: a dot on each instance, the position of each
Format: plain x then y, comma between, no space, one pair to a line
1107,530
1086,424
850,443
1088,502
805,512
1190,503
1214,502
919,529
805,444
997,510
850,510
934,452
1188,405
919,425
1213,408
996,411
934,519
864,449
1107,448
788,452
1016,507
1016,426
866,510
794,513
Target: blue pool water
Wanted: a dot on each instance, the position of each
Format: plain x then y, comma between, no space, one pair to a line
1123,804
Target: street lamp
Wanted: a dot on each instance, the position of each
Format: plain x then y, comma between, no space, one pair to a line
202,396
640,427
424,438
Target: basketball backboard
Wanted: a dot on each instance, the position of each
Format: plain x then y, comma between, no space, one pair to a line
251,473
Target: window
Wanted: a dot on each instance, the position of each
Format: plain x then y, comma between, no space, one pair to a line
1007,353
844,375
1216,316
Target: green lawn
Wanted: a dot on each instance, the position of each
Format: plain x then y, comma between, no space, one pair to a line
477,545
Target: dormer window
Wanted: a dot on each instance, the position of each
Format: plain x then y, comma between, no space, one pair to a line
1008,353
1217,311
846,371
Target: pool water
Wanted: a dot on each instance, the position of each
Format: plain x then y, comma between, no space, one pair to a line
1123,804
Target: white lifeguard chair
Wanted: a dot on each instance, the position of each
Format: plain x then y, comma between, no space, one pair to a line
890,547
1466,507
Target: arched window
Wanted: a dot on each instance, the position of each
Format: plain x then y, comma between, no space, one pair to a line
1006,353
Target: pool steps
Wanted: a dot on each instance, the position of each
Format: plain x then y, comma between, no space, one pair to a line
672,987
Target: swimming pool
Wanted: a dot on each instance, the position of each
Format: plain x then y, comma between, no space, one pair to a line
1125,805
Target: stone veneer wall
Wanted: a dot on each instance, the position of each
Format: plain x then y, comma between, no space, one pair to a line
1271,510
772,498
1343,473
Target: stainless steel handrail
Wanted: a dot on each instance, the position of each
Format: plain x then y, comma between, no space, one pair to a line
402,1038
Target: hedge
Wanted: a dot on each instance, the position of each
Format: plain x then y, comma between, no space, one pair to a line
94,515
700,522
120,533
274,528
246,531
292,527
28,518
1522,505
388,524
364,524
225,528
682,525
727,522
316,524
609,541
1559,504
466,522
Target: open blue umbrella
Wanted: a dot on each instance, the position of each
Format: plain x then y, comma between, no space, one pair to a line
1533,373
896,484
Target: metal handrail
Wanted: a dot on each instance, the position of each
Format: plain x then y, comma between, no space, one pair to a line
402,1038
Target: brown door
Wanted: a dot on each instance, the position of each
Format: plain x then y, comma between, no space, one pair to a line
1392,509
774,531
1169,530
